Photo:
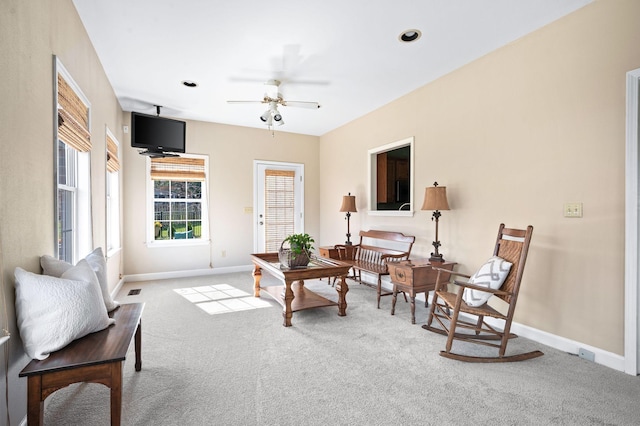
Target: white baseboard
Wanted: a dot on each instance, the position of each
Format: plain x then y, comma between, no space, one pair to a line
606,358
184,274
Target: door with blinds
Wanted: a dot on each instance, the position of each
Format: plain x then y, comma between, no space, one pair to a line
278,201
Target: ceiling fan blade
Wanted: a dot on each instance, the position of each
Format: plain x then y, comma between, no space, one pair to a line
245,102
301,104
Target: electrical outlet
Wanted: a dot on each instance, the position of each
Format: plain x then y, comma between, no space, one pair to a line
585,354
223,253
573,210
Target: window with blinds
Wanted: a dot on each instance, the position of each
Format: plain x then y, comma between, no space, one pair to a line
73,117
279,207
73,180
113,193
113,162
179,197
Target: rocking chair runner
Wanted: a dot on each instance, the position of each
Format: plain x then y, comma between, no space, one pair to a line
512,245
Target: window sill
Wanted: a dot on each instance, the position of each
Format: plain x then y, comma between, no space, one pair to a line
391,213
177,243
111,253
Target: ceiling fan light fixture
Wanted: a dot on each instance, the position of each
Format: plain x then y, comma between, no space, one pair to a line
410,35
266,116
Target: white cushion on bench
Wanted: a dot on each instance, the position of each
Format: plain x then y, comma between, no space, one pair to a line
55,268
52,312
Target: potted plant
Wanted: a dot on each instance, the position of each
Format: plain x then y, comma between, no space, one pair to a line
299,251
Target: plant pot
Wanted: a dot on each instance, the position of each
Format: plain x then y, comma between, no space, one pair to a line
290,260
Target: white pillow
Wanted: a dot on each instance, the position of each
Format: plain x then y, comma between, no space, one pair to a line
52,312
55,268
491,275
99,264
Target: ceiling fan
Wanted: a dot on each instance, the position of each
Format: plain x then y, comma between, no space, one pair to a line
274,98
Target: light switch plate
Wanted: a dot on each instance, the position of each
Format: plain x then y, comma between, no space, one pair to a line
573,210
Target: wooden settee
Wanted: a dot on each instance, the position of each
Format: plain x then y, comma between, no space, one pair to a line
375,250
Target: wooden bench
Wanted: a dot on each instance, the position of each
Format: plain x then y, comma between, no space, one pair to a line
96,358
375,250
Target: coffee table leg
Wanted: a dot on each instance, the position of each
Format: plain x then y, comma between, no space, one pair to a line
257,274
342,288
288,298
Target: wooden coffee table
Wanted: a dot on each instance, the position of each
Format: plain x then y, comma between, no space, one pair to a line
292,295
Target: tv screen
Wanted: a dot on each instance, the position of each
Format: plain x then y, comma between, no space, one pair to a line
157,134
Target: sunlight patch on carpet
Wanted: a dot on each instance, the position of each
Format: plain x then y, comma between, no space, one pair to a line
221,298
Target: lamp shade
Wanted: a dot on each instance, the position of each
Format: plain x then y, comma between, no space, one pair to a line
435,198
348,203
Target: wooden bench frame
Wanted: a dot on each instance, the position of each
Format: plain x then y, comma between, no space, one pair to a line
373,259
96,358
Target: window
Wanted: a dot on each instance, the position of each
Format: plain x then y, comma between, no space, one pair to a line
391,179
178,202
73,181
113,194
279,213
67,190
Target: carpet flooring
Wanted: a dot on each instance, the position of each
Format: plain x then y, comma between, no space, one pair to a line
233,363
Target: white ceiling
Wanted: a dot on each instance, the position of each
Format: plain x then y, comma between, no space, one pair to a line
344,54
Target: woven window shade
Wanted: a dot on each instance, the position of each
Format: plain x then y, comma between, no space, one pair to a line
73,118
177,168
279,207
113,162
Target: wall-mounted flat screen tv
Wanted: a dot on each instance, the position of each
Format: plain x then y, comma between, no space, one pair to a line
157,134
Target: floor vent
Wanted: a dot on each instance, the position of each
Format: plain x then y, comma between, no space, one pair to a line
133,292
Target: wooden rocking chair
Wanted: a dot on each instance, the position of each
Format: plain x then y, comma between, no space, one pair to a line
512,245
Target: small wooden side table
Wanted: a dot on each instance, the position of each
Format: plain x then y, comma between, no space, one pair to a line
333,253
415,276
345,255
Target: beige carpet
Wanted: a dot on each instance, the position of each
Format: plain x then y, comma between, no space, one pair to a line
243,367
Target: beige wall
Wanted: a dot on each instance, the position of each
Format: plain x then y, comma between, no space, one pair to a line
231,152
514,136
30,34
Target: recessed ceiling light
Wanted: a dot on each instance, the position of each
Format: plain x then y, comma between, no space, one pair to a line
409,36
189,83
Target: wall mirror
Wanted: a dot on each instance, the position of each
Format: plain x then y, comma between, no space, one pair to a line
391,179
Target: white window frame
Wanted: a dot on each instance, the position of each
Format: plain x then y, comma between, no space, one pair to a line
71,172
113,206
150,219
372,156
82,227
